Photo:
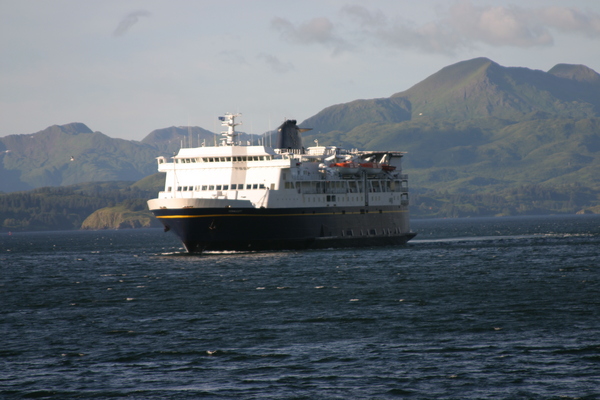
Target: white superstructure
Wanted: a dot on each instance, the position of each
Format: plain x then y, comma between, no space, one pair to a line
260,176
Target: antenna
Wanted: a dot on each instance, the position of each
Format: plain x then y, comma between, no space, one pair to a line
191,140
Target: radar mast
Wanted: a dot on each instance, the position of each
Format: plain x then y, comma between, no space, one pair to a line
230,135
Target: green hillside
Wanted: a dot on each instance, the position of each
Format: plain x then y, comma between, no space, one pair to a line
69,154
63,155
476,126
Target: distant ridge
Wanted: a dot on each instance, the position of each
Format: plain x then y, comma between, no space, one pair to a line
168,140
579,73
481,88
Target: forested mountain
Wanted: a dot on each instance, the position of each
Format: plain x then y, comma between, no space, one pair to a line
476,126
69,154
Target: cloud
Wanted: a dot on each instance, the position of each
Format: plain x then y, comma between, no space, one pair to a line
364,16
129,20
232,57
434,37
572,20
498,26
275,64
463,24
316,31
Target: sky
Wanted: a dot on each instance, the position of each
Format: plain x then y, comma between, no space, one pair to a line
128,67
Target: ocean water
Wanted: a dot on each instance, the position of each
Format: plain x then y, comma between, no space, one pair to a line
499,308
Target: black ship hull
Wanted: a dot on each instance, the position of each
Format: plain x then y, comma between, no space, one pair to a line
249,229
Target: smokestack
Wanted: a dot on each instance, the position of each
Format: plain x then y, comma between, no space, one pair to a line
289,135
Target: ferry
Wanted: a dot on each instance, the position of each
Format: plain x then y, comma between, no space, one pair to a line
240,196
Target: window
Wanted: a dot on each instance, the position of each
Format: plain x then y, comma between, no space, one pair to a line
255,186
233,186
219,187
179,188
204,187
185,188
225,187
211,187
262,186
248,186
169,189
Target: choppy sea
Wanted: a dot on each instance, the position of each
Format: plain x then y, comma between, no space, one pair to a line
497,308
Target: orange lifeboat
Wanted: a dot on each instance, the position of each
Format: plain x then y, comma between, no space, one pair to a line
345,167
371,168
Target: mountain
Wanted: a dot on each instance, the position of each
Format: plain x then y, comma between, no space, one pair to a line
473,126
476,125
62,155
481,88
68,154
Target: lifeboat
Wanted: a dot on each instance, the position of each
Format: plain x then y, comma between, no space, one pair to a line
388,167
371,168
345,167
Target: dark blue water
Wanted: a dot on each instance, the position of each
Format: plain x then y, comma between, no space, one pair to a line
474,309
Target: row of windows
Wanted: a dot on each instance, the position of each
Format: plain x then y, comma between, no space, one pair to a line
347,186
234,186
222,159
341,199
